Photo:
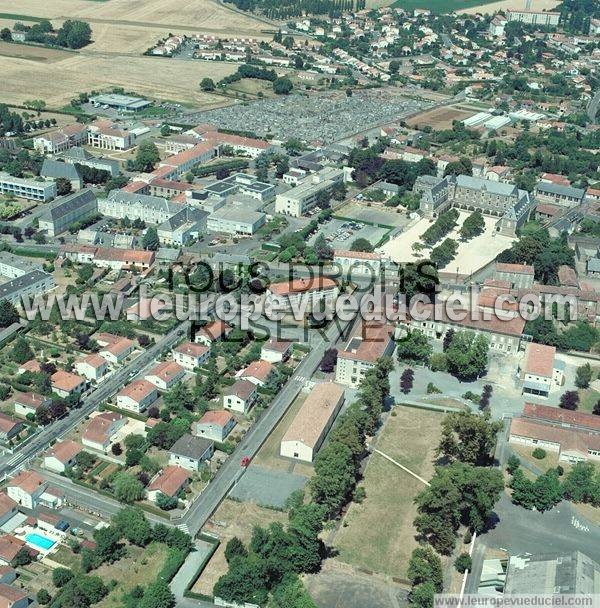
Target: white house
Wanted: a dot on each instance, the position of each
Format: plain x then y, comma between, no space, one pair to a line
62,456
26,488
169,482
92,367
29,403
276,351
66,383
191,452
190,355
117,351
240,396
100,429
165,375
137,396
214,425
541,372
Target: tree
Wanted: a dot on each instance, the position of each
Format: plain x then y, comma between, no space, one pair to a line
5,34
472,226
165,130
422,595
127,488
21,351
84,460
458,494
406,380
583,376
282,86
147,156
468,437
290,593
61,576
512,464
133,525
157,595
63,186
150,241
322,248
165,502
329,360
116,449
425,566
334,476
361,244
207,84
235,548
569,400
414,347
467,355
246,581
22,558
463,562
542,494
43,597
448,339
8,314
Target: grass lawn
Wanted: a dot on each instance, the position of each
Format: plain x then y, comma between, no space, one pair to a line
66,557
139,567
588,398
439,6
18,17
549,462
410,438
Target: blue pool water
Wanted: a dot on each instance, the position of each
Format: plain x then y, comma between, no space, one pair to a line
40,541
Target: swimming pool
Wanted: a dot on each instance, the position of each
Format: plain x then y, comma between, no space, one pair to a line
40,541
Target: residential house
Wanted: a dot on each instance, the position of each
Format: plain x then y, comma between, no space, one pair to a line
137,396
60,140
171,481
191,452
92,367
29,403
118,350
9,548
9,427
258,372
13,597
165,375
61,456
214,425
190,355
240,396
26,488
8,508
213,332
100,429
276,351
311,424
65,384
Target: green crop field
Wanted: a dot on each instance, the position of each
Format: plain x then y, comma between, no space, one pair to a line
439,6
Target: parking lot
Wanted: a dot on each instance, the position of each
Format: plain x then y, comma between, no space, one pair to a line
341,234
267,487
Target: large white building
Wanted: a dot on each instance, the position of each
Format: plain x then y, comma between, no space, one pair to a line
369,342
309,427
27,188
544,18
109,136
541,372
149,209
235,220
60,140
305,195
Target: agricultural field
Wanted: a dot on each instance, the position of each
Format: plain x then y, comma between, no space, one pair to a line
439,118
122,32
459,6
410,437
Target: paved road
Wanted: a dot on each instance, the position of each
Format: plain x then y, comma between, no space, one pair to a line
592,109
10,463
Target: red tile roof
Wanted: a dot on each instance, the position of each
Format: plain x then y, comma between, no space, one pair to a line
65,451
32,400
28,481
137,390
171,479
97,429
241,388
7,504
556,415
9,547
7,423
359,255
514,268
65,381
215,330
191,350
218,417
166,370
368,342
301,286
258,369
540,360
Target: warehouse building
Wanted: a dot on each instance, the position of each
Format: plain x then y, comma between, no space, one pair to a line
67,210
235,220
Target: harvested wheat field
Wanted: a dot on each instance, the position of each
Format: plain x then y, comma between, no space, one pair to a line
439,118
494,7
61,81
